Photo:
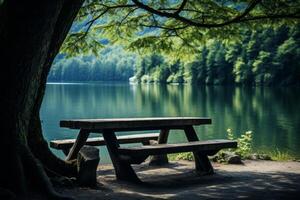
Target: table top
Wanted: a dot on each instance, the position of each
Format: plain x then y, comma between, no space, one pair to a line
133,123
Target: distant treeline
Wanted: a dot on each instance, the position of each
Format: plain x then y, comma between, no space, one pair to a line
266,57
114,64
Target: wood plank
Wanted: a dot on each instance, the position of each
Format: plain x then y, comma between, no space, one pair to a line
202,163
133,123
209,145
158,160
123,169
80,141
163,136
99,141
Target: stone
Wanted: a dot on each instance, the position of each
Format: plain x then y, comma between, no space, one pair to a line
227,157
254,156
234,159
231,157
87,163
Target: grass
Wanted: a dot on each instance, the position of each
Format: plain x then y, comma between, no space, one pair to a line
280,155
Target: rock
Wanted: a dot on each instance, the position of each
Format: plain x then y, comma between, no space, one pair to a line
254,156
234,159
227,157
231,157
87,163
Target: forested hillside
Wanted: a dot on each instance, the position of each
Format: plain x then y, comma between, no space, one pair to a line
113,64
261,57
265,57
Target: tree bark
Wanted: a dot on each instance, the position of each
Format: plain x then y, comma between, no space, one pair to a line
36,141
31,33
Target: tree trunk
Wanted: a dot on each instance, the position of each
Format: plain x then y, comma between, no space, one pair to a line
31,34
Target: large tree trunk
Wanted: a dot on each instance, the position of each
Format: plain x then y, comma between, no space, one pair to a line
30,37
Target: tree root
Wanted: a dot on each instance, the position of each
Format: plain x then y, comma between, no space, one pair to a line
34,172
7,194
40,149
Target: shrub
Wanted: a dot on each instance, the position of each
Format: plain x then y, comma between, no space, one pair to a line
244,143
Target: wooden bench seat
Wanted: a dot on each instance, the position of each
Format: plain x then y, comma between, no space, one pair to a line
207,147
66,144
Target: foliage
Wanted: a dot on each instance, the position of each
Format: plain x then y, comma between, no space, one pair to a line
195,41
244,143
171,27
113,64
181,156
271,61
269,57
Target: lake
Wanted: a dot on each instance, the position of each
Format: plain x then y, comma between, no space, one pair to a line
272,114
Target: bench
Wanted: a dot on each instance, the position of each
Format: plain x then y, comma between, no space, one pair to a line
123,157
208,146
136,155
66,144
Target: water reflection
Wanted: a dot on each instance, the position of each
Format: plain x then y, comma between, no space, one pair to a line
271,113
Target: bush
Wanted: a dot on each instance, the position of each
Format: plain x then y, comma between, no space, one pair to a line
244,143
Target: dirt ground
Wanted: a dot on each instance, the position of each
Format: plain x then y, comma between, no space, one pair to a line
253,180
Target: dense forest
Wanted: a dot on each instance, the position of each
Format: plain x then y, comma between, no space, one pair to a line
113,64
261,57
265,57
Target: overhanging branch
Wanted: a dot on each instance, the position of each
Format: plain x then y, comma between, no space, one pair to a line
180,7
237,19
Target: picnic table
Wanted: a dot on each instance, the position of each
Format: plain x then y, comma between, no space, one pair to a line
123,157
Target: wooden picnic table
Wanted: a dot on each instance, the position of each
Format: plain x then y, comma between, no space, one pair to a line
123,157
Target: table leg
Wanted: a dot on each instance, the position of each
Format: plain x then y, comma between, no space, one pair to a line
161,159
122,168
80,141
203,165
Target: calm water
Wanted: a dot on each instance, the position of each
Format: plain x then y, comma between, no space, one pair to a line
271,113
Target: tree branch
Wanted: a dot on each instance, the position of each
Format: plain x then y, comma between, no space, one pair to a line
127,15
180,7
237,19
164,27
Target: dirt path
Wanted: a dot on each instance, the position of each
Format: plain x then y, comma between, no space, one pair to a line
254,180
